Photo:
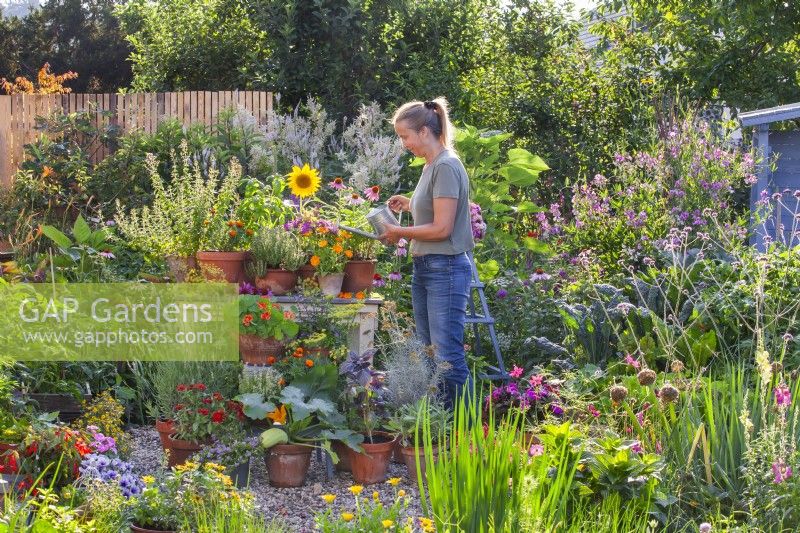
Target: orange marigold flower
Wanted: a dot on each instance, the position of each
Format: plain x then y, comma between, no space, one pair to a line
239,224
360,295
232,233
337,248
314,260
323,243
231,223
348,254
347,295
309,363
249,232
322,230
47,171
271,360
281,382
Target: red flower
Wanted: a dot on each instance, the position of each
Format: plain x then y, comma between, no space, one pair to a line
265,315
32,448
218,416
207,400
247,320
199,386
217,396
82,448
263,305
179,406
203,411
271,360
181,388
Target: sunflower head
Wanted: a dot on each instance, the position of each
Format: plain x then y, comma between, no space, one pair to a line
304,181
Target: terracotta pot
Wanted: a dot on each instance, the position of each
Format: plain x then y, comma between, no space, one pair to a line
306,272
179,266
180,450
165,428
358,275
7,446
137,529
277,280
256,350
410,456
317,351
343,451
371,466
222,266
288,464
331,284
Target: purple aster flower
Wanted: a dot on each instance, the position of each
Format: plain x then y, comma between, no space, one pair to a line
395,276
557,409
246,288
502,293
636,447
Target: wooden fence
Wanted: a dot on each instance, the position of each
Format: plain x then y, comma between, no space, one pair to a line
137,111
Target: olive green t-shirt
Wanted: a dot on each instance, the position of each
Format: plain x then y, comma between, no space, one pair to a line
444,177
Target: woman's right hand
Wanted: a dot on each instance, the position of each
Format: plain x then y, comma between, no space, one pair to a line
399,203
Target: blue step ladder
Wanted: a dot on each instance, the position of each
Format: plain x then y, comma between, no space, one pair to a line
482,316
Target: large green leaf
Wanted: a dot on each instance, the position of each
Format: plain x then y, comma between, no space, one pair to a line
254,406
56,236
521,157
81,230
520,176
529,207
535,245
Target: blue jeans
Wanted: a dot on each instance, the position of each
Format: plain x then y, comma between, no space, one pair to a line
439,292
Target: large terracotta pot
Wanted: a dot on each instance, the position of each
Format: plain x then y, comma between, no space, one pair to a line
277,280
222,266
331,284
257,350
343,451
371,466
410,456
358,275
180,450
179,266
288,464
165,428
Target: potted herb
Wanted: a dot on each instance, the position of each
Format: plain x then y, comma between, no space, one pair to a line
367,396
263,329
234,455
199,416
405,424
275,255
225,235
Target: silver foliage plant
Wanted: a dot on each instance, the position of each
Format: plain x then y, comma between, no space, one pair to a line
369,153
294,138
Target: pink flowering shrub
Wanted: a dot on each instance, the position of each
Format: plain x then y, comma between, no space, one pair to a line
689,181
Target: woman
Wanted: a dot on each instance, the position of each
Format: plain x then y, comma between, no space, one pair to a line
441,237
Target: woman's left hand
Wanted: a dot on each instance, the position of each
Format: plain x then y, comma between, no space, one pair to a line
392,234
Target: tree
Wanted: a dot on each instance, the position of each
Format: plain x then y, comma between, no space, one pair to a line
744,53
192,44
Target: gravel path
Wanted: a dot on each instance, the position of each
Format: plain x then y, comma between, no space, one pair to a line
295,507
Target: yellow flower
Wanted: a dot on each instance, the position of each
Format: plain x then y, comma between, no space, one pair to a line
426,524
347,516
356,489
329,498
376,496
323,243
148,479
401,493
303,181
394,481
387,524
278,415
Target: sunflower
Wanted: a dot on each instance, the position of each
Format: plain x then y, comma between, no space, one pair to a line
304,181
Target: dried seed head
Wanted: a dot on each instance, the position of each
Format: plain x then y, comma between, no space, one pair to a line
677,366
646,377
669,393
618,393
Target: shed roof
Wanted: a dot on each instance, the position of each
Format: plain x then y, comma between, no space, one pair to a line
769,115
